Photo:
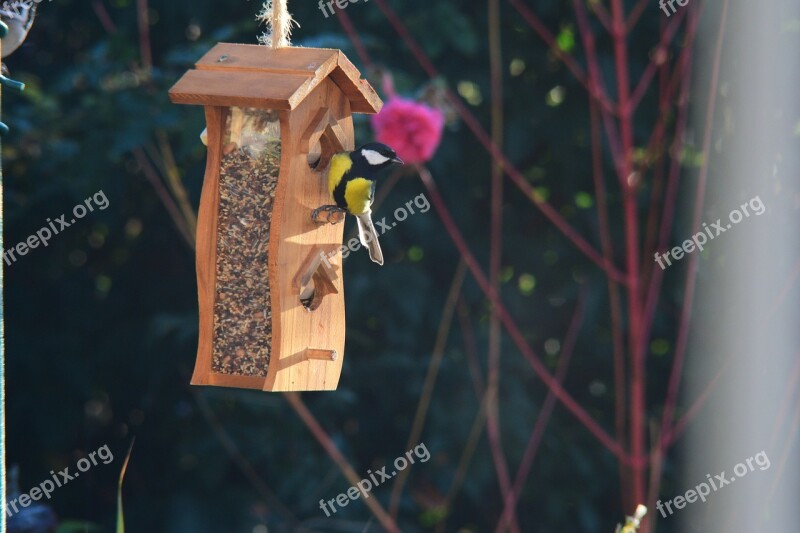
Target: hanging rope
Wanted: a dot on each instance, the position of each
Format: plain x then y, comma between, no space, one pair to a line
279,24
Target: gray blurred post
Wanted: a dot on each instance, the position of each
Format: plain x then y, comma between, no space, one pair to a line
742,311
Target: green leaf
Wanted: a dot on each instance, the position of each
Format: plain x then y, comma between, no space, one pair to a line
691,157
120,514
541,194
77,526
566,39
584,200
659,347
527,282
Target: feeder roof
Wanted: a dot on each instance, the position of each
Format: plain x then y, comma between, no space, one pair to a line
258,76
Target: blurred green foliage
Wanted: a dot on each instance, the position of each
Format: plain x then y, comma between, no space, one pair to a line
101,325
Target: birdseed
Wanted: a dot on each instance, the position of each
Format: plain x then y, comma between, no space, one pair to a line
242,311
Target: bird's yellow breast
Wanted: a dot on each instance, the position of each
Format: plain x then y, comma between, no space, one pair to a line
340,164
358,195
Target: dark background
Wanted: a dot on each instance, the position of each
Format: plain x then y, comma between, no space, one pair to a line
101,325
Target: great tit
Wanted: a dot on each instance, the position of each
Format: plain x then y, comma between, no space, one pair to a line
351,182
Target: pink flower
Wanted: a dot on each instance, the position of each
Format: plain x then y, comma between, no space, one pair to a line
413,129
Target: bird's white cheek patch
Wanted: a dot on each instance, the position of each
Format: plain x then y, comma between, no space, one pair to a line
373,157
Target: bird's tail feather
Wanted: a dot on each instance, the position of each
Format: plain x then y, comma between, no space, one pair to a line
369,237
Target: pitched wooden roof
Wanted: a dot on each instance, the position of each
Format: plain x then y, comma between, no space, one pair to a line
258,76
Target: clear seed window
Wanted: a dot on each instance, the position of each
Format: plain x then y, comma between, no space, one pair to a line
247,182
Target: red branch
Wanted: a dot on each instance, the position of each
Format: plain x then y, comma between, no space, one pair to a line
544,415
105,19
617,340
493,430
691,275
469,119
513,331
621,143
637,367
671,196
547,36
352,34
333,452
143,19
659,55
602,14
636,12
587,36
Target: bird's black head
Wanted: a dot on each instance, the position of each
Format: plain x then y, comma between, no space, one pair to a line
376,155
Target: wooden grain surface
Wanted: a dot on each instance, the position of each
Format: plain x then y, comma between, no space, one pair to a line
257,76
293,237
306,61
206,245
363,98
240,89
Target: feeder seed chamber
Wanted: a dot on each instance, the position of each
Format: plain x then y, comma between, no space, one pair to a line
271,310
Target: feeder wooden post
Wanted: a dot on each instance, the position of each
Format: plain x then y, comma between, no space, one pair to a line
315,92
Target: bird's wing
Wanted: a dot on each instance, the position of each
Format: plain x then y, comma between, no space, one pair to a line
369,236
340,165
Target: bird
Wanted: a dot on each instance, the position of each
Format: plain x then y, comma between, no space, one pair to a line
351,183
18,16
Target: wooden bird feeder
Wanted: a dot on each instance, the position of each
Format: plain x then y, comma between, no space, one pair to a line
269,278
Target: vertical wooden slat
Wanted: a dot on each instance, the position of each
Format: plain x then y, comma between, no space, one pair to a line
216,118
293,237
